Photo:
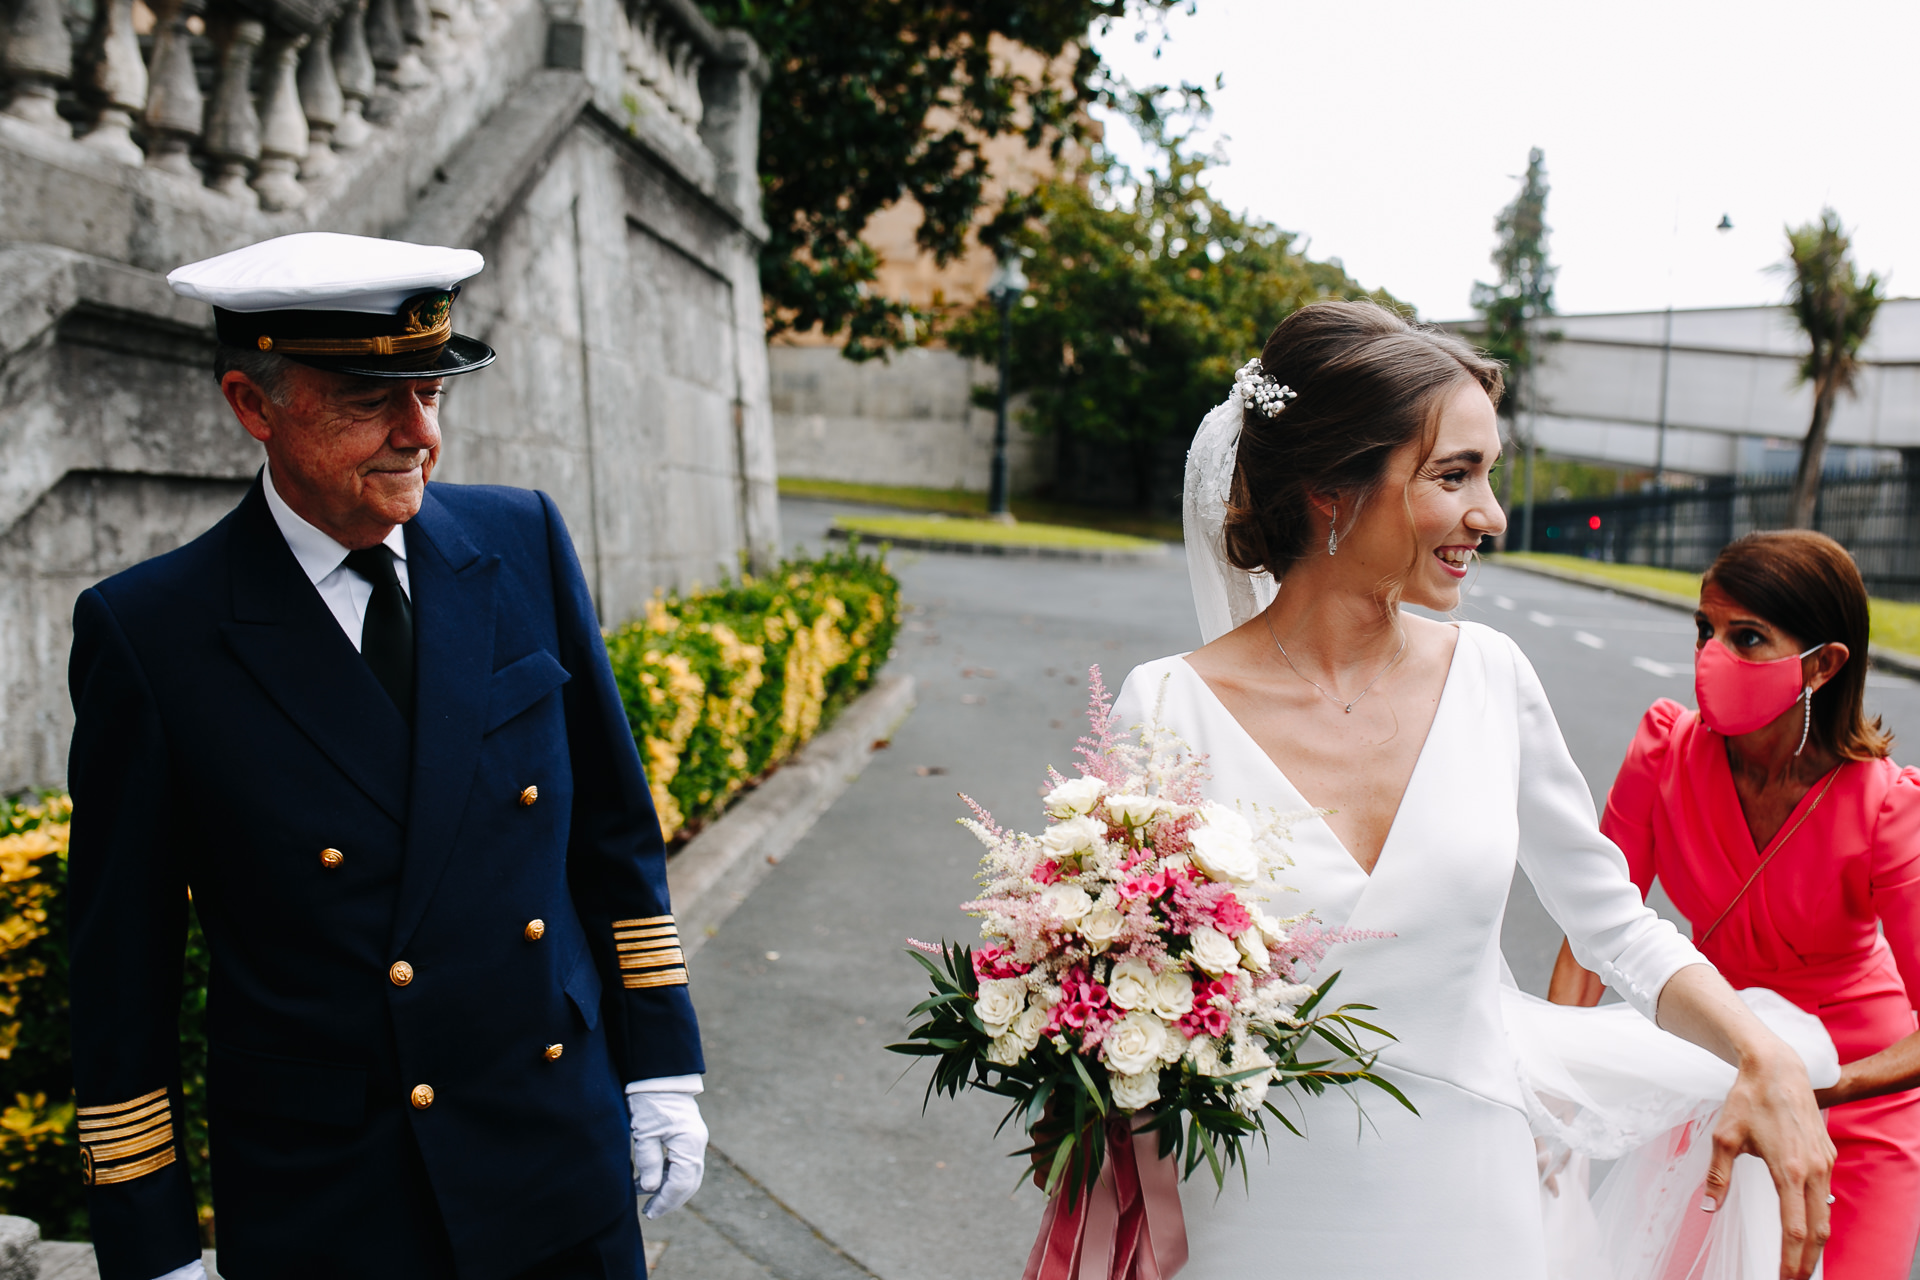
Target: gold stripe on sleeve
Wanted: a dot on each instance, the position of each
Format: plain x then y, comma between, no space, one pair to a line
128,1172
642,924
112,1108
97,1128
654,978
132,1146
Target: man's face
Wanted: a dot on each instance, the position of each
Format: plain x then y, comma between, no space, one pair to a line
351,455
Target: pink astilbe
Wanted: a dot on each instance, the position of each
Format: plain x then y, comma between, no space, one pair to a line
1199,901
1098,757
1307,944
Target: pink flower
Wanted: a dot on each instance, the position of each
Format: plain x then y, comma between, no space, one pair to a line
1212,1008
1046,873
1144,886
997,962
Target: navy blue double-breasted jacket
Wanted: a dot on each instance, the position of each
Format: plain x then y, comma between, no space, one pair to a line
437,953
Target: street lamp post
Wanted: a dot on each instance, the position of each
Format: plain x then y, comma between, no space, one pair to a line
1008,283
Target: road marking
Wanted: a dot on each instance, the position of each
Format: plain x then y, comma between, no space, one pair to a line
1589,639
1539,619
1503,602
1665,670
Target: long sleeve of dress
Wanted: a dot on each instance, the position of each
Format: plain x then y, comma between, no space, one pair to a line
1581,876
1628,817
1896,876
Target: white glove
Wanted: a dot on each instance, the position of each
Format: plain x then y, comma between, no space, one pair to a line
669,1141
192,1271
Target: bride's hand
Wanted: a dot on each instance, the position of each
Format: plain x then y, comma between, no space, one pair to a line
1769,1112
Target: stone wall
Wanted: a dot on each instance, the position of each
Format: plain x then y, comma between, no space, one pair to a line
907,420
602,157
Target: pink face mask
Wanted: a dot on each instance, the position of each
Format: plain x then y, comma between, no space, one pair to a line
1738,697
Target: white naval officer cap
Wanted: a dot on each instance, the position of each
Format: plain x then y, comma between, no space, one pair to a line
350,304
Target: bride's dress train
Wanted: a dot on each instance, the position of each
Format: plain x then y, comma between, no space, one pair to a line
1605,1084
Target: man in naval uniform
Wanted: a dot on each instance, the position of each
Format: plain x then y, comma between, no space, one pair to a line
368,724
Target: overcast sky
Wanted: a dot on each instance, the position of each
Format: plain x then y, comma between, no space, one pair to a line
1391,132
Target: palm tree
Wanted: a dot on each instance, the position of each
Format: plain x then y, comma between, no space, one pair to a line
1835,307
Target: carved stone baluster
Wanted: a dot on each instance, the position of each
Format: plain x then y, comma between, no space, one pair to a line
115,81
284,140
466,21
175,106
416,26
353,66
386,42
38,60
439,44
321,99
233,128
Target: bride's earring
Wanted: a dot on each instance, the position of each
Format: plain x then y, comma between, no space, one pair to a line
1806,723
1333,530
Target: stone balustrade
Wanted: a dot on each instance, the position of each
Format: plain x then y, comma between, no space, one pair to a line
260,101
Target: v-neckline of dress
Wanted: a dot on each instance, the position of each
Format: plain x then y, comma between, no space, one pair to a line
1413,778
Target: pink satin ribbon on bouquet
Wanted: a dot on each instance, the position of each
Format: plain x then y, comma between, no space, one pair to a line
1127,1227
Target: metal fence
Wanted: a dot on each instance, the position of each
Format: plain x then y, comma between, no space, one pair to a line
1876,517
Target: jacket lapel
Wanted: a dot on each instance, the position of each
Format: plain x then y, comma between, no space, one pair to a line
453,601
289,641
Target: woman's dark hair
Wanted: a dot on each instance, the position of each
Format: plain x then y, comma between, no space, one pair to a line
1807,585
1366,382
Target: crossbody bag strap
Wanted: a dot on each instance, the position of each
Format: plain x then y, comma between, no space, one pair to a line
1779,843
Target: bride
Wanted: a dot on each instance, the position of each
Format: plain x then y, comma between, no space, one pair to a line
1360,480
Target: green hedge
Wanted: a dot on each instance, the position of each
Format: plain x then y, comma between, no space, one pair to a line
719,687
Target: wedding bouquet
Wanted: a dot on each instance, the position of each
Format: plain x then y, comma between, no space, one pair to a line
1132,989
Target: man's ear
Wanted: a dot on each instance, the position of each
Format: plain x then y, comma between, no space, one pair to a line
250,403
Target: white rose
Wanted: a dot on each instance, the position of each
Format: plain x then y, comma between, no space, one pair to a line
1134,811
1130,985
1101,926
1254,949
1269,927
1066,901
1072,836
1077,795
1132,1092
1173,994
1204,1053
1029,1026
1222,846
1212,950
999,1003
1253,1090
1007,1050
1134,1043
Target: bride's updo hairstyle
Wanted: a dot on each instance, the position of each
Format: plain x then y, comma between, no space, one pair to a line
1366,383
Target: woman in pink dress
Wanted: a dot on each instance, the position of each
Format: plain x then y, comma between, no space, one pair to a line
1780,828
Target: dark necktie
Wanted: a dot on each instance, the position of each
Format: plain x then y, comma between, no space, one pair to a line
386,638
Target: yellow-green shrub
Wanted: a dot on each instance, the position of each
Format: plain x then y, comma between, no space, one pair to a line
722,685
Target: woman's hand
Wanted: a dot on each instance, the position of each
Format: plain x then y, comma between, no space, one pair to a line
1770,1111
1573,984
1894,1069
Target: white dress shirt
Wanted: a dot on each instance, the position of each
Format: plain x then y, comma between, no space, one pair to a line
346,593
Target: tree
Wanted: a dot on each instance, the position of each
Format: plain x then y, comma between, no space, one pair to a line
1835,308
1145,295
870,101
1510,307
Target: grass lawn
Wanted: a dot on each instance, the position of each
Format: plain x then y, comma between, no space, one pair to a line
962,502
1893,624
943,529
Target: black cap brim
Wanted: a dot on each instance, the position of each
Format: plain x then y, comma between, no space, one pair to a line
460,354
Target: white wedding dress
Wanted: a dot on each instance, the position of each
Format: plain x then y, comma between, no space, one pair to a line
1515,1096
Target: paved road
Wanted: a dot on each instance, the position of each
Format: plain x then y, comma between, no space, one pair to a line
804,984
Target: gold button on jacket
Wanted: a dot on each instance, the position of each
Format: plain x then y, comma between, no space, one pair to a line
529,795
536,930
421,1097
402,974
331,858
554,1051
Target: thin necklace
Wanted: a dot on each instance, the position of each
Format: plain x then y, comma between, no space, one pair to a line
1335,698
